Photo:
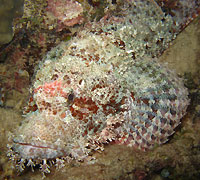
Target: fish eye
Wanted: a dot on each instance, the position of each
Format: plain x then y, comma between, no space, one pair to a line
70,97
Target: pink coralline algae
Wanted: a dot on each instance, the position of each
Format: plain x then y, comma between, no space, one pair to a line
67,12
103,86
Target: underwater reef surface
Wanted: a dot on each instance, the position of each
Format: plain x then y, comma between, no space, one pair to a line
130,164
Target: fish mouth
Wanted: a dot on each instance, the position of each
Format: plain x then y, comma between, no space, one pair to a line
34,151
34,146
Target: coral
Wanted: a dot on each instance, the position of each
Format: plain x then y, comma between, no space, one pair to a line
67,12
103,86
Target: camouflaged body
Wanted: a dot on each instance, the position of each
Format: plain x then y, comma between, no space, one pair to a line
104,86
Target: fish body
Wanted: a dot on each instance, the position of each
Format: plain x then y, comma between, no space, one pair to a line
105,85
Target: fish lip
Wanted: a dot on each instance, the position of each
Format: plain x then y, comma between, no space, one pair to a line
30,151
34,146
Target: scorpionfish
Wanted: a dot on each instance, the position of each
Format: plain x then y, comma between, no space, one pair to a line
105,85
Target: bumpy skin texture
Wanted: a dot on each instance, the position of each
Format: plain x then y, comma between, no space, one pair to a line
67,12
104,86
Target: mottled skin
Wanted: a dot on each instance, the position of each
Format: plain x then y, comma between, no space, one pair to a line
103,86
84,102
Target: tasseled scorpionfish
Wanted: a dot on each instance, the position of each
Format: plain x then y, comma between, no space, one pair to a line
105,85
